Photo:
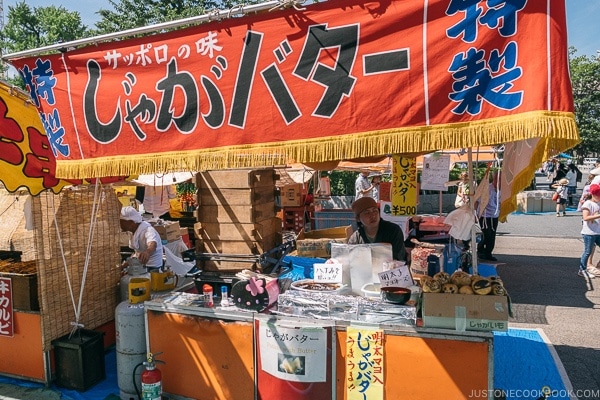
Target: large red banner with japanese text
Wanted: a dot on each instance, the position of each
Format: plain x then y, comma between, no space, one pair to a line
336,80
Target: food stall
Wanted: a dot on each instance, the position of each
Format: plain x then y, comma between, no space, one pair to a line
341,82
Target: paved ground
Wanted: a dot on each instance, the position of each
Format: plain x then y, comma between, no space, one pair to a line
538,257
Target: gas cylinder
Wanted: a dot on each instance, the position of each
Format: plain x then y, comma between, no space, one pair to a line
135,269
130,325
151,380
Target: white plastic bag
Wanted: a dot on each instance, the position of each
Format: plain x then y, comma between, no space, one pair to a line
361,263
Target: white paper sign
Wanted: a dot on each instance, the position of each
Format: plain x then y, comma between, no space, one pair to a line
436,172
327,273
397,277
294,354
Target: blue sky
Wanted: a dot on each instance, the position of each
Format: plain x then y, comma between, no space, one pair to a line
582,19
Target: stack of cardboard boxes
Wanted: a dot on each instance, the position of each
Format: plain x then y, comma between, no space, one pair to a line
236,215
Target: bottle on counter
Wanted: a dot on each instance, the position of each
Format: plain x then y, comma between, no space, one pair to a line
207,292
224,296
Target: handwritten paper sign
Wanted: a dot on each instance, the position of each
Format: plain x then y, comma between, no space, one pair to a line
327,273
397,277
436,172
364,363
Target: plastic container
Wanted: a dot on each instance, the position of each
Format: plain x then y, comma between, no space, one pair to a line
371,290
139,290
207,292
224,296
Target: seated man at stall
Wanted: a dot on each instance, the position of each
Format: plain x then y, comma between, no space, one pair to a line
144,239
373,229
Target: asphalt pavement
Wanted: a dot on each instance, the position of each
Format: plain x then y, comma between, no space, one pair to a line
538,259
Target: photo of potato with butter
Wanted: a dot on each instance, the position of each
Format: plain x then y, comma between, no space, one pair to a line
290,364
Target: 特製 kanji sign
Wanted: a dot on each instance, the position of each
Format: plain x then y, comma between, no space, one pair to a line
337,80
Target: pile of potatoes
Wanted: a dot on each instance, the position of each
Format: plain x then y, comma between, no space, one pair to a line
461,282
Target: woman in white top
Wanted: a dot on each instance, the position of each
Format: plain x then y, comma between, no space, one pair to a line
590,232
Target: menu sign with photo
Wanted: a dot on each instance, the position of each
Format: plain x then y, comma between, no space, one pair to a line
436,172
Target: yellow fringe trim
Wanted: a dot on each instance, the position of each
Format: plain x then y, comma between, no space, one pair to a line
557,129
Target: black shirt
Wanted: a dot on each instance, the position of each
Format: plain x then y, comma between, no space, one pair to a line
388,232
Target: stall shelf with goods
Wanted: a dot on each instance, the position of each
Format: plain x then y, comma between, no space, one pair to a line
61,225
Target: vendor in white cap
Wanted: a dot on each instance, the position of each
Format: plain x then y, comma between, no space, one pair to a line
145,240
373,229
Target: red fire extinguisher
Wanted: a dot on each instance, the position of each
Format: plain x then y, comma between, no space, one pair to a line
151,380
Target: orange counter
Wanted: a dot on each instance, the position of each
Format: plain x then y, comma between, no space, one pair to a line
21,356
209,354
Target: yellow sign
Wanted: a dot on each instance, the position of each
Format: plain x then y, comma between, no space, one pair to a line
364,363
404,186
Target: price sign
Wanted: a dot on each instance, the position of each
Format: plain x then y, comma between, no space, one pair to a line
327,273
397,277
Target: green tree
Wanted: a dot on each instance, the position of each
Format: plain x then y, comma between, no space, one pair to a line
585,77
30,28
129,14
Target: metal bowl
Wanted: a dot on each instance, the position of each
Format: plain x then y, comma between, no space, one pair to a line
396,295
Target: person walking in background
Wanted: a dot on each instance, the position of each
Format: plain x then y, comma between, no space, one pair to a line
585,195
551,169
590,232
362,186
489,221
375,181
561,201
572,185
559,173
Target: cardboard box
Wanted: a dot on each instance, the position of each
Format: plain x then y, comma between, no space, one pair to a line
292,195
170,231
478,313
318,243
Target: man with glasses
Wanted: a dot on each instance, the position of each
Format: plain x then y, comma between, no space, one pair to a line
373,229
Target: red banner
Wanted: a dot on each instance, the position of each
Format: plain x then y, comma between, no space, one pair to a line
337,80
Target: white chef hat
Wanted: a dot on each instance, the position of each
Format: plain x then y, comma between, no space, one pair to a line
131,214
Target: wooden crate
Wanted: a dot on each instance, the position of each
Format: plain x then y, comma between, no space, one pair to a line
238,231
236,196
237,213
236,178
24,291
245,247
